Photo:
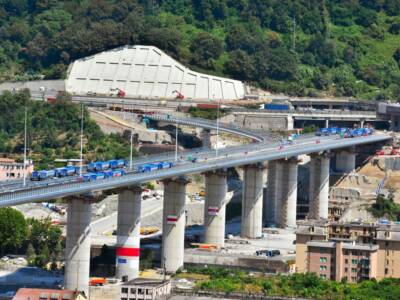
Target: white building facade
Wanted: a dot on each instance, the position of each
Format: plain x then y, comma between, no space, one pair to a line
146,72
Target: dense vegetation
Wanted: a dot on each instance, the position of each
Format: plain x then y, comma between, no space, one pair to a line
385,207
38,239
296,285
53,131
349,48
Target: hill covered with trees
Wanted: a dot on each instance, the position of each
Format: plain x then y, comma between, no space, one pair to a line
302,47
53,131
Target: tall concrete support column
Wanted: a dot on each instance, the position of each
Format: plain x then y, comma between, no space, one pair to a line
273,192
205,137
326,123
77,252
345,160
319,186
288,199
128,233
252,201
174,219
214,207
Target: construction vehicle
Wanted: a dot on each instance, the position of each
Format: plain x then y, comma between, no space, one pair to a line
97,281
118,92
179,95
148,230
204,246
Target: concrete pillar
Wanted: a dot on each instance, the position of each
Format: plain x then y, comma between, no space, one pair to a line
128,234
273,192
362,123
288,200
345,160
326,123
319,186
205,137
214,207
290,122
77,252
251,226
174,219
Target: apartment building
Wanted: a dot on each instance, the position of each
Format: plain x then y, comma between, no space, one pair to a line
351,251
9,169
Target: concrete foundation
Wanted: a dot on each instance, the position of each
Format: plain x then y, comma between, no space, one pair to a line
345,161
128,234
174,218
77,252
252,201
319,186
214,207
288,200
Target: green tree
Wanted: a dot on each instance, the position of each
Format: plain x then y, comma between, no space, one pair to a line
205,50
13,230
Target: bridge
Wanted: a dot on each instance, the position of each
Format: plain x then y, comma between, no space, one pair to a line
280,207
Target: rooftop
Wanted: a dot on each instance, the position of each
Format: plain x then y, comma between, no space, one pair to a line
349,246
145,282
46,294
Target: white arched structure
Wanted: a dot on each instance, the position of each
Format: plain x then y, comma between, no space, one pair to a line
146,72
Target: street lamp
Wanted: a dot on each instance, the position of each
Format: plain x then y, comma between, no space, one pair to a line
176,139
131,153
81,159
216,145
24,171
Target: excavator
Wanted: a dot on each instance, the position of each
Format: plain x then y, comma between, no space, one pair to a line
179,95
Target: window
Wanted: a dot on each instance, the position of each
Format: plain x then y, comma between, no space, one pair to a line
346,270
354,261
323,260
323,268
353,279
353,270
133,291
323,276
386,271
124,290
124,298
346,261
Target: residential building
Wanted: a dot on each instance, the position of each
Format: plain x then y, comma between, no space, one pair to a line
145,289
47,294
354,251
9,169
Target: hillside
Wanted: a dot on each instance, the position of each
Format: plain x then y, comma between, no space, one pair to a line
53,132
302,47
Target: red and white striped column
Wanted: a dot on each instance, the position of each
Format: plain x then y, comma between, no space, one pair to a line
128,234
174,218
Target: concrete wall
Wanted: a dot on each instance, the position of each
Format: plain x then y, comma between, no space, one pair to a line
260,122
146,72
34,86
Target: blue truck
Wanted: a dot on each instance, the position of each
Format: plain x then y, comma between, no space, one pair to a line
42,175
276,106
65,171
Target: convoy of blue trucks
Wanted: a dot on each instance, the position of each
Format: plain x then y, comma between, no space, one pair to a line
99,170
117,167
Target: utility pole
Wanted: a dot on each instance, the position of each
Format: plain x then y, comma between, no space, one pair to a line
131,153
25,121
216,145
176,140
81,159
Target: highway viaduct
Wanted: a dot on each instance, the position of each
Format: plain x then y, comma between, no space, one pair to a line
280,206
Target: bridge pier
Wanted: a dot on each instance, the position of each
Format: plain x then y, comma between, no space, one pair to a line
273,192
319,186
128,233
77,252
286,212
252,201
214,207
174,218
205,137
345,160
